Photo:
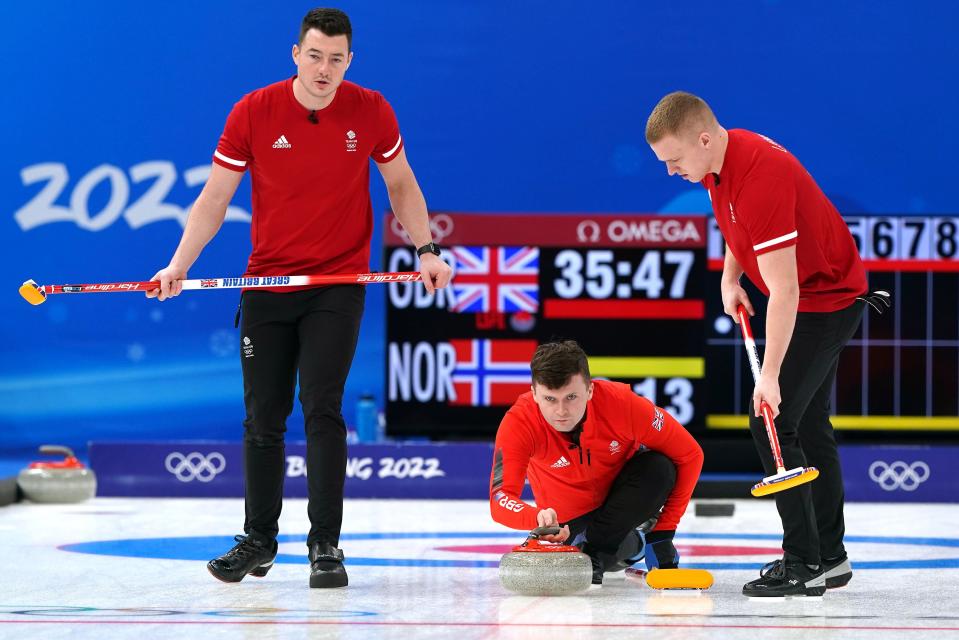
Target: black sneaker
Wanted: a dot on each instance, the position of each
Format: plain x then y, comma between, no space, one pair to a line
595,557
326,566
780,579
631,550
251,556
837,571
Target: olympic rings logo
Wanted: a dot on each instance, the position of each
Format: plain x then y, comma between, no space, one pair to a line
899,475
441,226
195,465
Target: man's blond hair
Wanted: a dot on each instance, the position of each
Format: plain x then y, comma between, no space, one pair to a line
679,114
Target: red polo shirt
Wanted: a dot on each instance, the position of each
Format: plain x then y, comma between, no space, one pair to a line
765,200
312,213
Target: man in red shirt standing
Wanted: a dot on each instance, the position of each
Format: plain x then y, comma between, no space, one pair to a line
307,142
601,462
786,236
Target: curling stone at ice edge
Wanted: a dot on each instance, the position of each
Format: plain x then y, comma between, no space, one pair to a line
538,569
62,481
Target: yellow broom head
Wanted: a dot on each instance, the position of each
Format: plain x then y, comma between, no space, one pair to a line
32,293
785,480
679,579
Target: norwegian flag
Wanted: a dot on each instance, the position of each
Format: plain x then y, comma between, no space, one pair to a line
491,372
209,283
503,279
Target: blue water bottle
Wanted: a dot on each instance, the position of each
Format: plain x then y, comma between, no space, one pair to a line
366,419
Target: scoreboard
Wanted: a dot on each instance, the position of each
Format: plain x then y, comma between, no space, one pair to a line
899,375
628,288
640,293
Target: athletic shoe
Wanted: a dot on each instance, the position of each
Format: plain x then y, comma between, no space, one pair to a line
838,572
326,566
596,558
631,550
780,578
253,555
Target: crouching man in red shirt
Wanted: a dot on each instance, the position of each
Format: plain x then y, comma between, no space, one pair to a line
606,465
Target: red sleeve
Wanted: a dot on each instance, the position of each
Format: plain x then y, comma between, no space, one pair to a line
390,141
234,149
767,207
659,431
511,455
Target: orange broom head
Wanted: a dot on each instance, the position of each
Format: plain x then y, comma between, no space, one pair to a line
31,292
783,481
679,579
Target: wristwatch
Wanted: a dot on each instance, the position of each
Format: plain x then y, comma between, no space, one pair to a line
431,247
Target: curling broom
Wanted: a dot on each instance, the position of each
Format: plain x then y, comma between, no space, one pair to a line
37,294
783,479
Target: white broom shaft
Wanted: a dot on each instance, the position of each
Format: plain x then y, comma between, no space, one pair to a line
250,282
751,350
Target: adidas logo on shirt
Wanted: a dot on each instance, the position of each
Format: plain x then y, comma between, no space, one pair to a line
282,143
559,464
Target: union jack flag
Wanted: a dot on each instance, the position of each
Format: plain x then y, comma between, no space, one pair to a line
491,372
209,283
504,279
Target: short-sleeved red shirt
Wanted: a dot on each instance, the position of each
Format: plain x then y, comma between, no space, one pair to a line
312,213
765,200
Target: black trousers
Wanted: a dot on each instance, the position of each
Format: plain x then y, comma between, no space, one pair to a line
313,333
812,513
637,494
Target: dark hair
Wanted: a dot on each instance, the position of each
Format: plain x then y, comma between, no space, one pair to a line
331,22
554,363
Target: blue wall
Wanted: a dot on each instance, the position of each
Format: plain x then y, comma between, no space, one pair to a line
529,106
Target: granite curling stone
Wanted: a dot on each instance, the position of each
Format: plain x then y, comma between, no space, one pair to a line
535,568
62,481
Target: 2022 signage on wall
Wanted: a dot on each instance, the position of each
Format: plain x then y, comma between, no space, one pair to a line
152,206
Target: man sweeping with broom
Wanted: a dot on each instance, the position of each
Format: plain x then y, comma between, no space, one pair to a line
787,237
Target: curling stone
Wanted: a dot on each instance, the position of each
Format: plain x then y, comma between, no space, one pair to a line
537,568
61,481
